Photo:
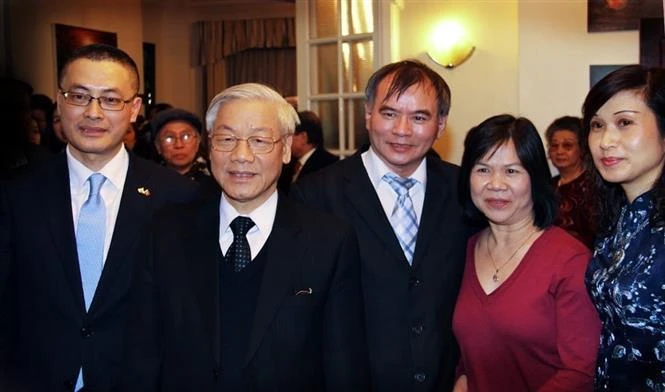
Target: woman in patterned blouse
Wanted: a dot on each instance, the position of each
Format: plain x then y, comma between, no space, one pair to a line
624,123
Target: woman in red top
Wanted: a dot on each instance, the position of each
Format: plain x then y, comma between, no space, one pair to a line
523,319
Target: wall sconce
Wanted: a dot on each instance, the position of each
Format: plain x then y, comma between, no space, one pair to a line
450,47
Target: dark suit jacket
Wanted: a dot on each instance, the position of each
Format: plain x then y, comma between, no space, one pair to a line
320,158
408,309
297,342
45,332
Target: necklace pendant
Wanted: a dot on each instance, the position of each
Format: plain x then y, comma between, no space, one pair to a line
495,277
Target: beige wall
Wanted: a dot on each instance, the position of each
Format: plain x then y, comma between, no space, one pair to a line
32,32
532,59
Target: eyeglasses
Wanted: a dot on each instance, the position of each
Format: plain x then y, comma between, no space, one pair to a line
257,144
185,138
105,102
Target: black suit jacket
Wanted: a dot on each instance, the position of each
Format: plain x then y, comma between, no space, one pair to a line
319,159
45,332
310,342
408,308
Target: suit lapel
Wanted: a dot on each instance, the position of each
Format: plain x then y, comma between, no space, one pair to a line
361,195
129,222
436,198
281,259
203,247
58,198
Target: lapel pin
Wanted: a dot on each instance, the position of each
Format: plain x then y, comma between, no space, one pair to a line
144,191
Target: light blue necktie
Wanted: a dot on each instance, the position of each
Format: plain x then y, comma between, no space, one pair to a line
90,233
403,218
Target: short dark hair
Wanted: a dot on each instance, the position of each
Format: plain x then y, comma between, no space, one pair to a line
101,52
405,74
310,123
170,115
649,83
487,137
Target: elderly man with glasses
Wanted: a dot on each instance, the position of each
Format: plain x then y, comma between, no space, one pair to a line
247,292
69,234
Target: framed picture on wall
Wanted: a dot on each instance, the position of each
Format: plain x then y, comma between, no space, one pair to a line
69,38
617,15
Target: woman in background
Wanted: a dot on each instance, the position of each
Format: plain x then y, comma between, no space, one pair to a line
567,149
624,121
523,319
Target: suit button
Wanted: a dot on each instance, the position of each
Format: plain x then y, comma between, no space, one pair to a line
419,377
86,332
417,329
414,282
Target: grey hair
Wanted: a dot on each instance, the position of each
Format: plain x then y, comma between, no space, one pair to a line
286,114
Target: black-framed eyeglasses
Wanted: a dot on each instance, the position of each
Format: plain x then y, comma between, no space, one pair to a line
105,102
256,144
185,138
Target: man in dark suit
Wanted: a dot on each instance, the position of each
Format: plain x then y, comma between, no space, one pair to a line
69,231
308,153
248,292
404,208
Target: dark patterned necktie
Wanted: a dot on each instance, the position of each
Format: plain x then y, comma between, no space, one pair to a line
239,254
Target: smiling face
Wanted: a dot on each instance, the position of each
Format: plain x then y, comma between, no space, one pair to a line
564,150
402,129
95,135
501,187
625,143
249,179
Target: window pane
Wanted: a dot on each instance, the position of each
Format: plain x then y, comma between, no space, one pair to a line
329,114
358,60
355,114
356,16
324,69
323,16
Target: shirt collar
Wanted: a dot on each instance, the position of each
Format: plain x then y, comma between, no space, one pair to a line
376,168
115,170
306,156
263,216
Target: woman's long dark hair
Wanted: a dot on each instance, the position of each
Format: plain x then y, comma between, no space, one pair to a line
649,83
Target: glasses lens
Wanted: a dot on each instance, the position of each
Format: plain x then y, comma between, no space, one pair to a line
79,99
260,145
111,103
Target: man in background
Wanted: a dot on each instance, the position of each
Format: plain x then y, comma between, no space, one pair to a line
403,205
69,232
308,153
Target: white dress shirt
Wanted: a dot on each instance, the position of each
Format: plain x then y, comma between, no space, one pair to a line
115,172
263,218
376,168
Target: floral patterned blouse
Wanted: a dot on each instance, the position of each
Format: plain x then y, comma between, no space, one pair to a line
626,280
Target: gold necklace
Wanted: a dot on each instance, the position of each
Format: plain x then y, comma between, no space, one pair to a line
495,276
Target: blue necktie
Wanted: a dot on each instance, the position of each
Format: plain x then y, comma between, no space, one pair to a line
239,253
403,218
90,233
